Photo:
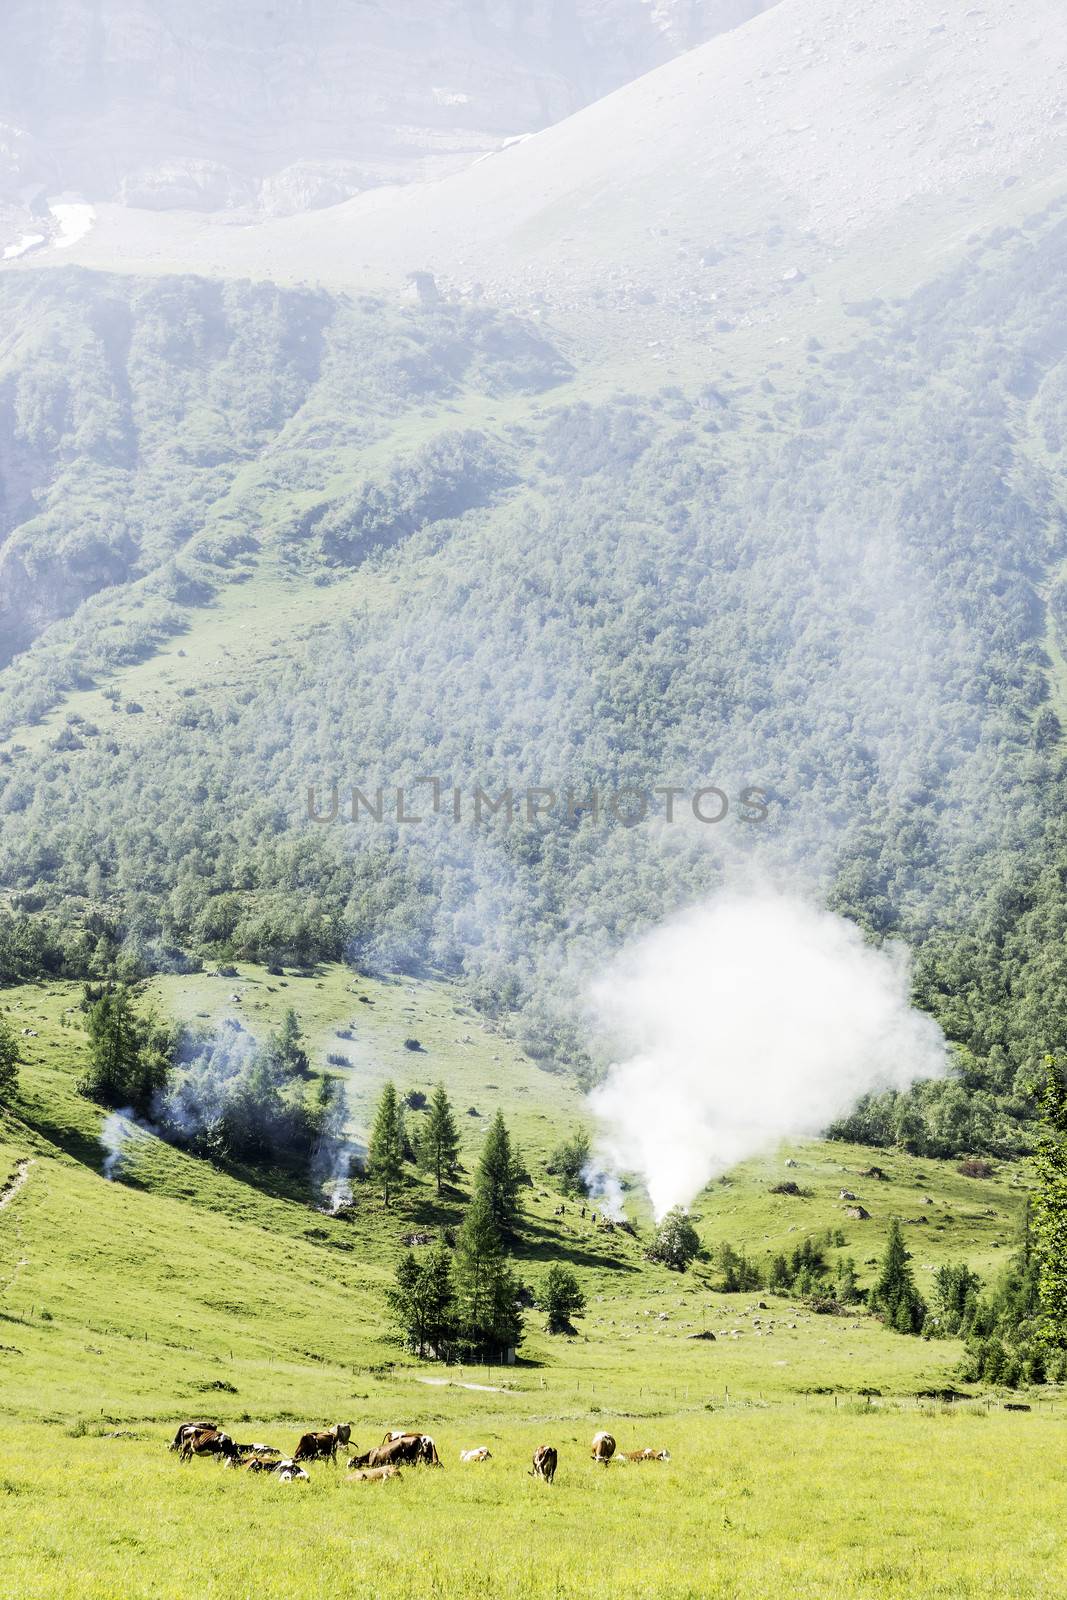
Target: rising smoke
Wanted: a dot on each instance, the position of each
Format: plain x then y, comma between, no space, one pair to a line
118,1133
744,1021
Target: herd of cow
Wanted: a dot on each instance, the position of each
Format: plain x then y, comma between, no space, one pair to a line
397,1449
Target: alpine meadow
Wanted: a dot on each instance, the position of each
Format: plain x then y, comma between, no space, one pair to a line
533,779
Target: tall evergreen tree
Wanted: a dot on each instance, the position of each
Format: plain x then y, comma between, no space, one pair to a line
9,1059
289,1043
895,1294
489,1318
439,1140
423,1301
1049,1220
499,1177
388,1141
113,1076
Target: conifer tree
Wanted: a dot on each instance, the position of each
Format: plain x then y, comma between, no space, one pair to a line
439,1140
895,1294
9,1059
489,1318
289,1044
388,1140
562,1298
113,1074
499,1177
423,1301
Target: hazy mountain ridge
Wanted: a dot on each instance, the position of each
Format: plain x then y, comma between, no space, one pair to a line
826,152
160,104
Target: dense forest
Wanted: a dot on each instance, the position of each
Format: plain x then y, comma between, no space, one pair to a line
842,586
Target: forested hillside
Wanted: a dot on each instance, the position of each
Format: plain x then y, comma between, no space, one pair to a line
839,583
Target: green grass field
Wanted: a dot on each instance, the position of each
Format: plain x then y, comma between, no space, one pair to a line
184,1289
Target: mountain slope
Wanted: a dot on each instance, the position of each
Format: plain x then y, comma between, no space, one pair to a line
825,149
284,108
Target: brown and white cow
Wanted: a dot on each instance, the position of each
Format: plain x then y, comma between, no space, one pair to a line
373,1475
406,1449
545,1461
208,1442
647,1454
603,1447
480,1452
323,1446
190,1427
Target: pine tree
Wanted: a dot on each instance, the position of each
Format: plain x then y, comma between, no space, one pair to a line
288,1043
9,1059
439,1140
489,1318
1049,1219
113,1076
499,1177
562,1298
388,1141
895,1295
423,1301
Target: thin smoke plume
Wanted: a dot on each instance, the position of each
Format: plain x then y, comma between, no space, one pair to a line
117,1132
744,1021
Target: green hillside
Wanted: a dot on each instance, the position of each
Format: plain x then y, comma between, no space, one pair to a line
431,549
186,1288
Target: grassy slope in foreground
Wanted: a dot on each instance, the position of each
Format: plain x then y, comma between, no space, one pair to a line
127,1305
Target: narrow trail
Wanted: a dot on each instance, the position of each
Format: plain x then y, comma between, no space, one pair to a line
10,1190
15,1182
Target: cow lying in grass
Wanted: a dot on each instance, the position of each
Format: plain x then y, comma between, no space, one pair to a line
479,1453
400,1449
647,1454
373,1475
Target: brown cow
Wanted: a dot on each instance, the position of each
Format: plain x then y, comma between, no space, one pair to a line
208,1442
406,1449
319,1446
189,1427
373,1475
647,1454
545,1461
603,1447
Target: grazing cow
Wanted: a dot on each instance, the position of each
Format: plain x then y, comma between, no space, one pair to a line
603,1447
479,1453
647,1454
317,1446
373,1475
207,1442
545,1461
189,1427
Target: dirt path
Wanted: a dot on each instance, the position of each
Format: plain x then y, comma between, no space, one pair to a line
453,1383
14,1183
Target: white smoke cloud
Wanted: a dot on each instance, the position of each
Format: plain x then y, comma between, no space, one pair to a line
117,1132
743,1021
